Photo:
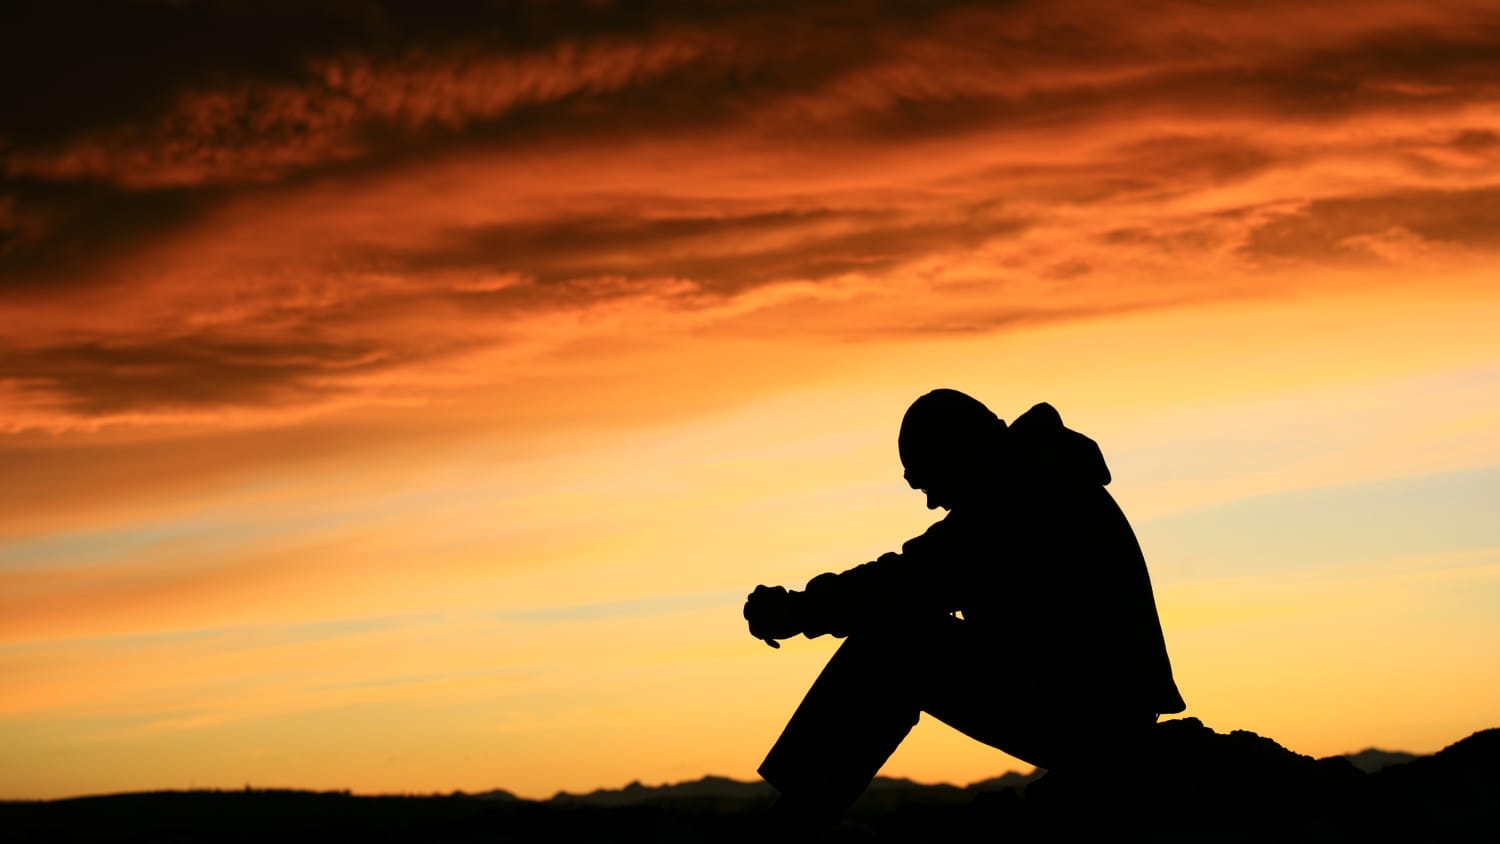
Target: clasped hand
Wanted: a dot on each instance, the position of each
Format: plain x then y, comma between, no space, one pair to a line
772,614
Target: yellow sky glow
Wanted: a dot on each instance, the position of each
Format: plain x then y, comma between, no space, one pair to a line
421,425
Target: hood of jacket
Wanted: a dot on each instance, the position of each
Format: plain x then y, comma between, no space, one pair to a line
1039,445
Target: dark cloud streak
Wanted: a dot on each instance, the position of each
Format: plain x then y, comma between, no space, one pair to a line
1349,228
722,254
188,373
73,66
63,232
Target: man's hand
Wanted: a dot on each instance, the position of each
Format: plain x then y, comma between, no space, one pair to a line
771,611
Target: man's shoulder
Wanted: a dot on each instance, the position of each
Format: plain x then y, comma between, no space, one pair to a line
959,530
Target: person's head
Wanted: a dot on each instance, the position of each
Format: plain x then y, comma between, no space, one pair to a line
948,444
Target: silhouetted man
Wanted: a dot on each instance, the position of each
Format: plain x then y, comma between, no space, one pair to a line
1024,618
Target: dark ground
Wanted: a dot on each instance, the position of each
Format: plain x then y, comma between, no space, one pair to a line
1200,786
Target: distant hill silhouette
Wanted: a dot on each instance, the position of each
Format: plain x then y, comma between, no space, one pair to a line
1373,759
720,790
725,791
1195,785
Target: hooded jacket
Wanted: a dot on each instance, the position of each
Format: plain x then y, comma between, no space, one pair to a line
1044,567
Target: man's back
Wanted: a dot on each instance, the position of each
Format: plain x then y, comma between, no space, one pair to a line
1076,596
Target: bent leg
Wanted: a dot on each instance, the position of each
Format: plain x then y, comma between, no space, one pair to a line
855,715
871,693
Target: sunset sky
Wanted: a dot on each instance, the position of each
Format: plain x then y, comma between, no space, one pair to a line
405,398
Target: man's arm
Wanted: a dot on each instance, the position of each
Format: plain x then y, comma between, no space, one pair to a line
884,593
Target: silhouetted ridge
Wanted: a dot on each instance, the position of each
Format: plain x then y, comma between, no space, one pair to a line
1447,796
1193,784
1009,779
492,794
1373,759
710,787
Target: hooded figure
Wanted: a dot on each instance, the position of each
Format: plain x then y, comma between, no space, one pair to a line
1024,618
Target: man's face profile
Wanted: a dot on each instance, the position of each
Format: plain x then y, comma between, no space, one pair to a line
932,485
